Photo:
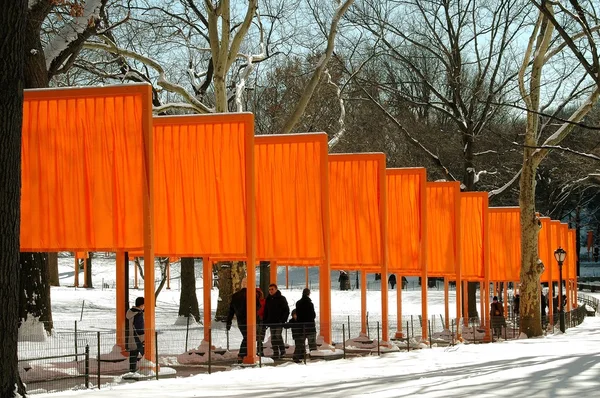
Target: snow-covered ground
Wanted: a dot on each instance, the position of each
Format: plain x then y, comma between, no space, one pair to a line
559,365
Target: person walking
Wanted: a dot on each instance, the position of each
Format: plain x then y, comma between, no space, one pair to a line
392,280
497,316
276,315
298,336
136,333
305,310
238,308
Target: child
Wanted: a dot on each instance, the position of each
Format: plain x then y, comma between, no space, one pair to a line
298,337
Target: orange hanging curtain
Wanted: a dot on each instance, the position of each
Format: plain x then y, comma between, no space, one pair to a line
573,253
441,205
84,168
473,219
545,251
405,190
200,184
505,244
291,177
356,213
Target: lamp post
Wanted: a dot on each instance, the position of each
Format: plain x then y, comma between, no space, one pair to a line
560,254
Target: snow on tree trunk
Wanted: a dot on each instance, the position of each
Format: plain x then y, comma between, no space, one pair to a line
12,30
188,301
531,267
35,289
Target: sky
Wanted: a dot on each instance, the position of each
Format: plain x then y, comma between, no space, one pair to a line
559,365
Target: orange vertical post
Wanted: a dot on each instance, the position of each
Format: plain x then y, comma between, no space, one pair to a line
457,258
148,215
446,305
383,247
399,333
484,289
363,301
287,277
76,274
306,276
250,250
135,276
206,291
120,299
272,273
423,259
481,305
325,268
505,304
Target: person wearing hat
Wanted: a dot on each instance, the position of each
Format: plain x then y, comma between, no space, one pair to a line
135,336
305,311
497,316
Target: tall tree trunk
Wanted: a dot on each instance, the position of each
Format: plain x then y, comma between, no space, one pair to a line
35,289
188,301
163,263
12,32
220,94
88,275
531,267
53,269
231,274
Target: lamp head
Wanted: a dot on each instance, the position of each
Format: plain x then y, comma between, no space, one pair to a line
560,254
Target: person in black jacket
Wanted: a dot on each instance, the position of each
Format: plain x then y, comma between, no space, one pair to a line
276,314
238,308
305,310
135,335
298,337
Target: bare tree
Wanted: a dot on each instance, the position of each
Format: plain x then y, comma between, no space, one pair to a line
12,61
576,24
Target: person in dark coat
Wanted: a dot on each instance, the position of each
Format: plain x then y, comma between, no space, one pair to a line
392,280
544,304
298,337
238,308
276,315
135,336
497,316
344,280
516,304
305,310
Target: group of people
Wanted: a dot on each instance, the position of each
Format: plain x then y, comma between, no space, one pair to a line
272,313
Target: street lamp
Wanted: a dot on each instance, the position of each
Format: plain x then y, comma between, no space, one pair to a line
560,254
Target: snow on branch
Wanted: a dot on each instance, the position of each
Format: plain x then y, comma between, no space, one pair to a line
479,174
336,138
71,30
162,80
503,188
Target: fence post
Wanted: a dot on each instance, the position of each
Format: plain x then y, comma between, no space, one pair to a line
75,340
344,340
82,305
210,346
408,337
156,350
227,335
429,326
378,350
474,336
368,331
98,334
349,328
452,331
87,366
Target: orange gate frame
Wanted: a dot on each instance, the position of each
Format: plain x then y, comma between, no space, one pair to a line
406,234
83,150
358,219
220,167
443,234
292,207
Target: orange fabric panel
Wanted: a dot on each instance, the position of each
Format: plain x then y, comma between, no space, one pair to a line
545,252
289,188
81,255
573,252
405,189
200,184
554,242
83,168
354,208
505,244
564,243
472,220
441,228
